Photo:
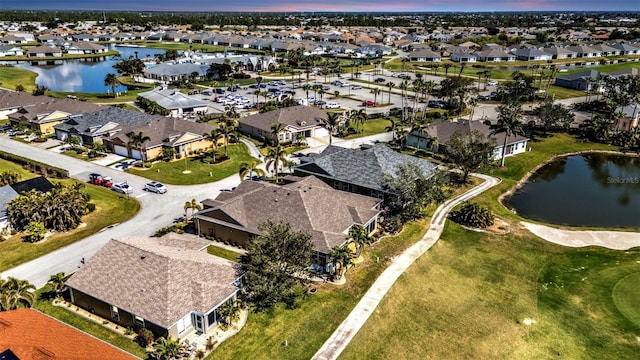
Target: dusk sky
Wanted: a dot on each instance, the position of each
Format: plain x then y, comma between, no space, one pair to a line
323,5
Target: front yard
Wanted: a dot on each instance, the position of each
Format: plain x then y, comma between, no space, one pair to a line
371,127
190,171
111,208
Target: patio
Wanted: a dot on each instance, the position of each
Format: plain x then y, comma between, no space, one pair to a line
195,340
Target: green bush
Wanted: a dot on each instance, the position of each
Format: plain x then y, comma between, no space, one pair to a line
473,215
176,228
35,166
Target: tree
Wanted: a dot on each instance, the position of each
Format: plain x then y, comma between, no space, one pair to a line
137,140
72,140
57,283
214,136
112,80
167,348
276,129
470,152
473,215
554,115
331,124
40,90
277,263
394,127
508,123
9,177
276,157
35,231
410,190
229,312
250,168
15,294
192,205
360,237
341,257
390,85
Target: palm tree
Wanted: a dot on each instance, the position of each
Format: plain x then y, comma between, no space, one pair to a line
16,293
275,158
306,88
508,123
167,348
358,117
112,80
446,69
473,102
331,124
276,129
226,127
57,283
137,140
375,92
341,257
360,237
390,85
193,205
249,168
393,128
213,136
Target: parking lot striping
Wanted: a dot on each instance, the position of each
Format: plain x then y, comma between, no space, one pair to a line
141,195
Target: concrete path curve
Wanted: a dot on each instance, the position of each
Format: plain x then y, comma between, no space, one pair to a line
333,347
616,240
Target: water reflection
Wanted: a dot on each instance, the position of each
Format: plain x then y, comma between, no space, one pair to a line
82,75
585,190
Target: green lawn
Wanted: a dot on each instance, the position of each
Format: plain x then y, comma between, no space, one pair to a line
172,172
10,77
371,127
45,305
625,296
559,93
223,253
111,208
13,167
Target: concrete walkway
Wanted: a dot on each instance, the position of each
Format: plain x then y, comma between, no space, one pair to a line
616,240
333,347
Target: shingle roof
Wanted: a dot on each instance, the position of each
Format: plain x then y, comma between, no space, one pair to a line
14,99
29,334
299,117
44,105
172,99
159,279
587,74
165,131
85,121
446,129
308,205
364,168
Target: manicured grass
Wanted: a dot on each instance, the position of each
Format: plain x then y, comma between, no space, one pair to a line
45,305
559,93
198,47
13,167
625,296
10,77
607,68
101,98
223,253
111,208
371,127
172,172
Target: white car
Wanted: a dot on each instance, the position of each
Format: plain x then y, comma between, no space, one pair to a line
492,83
122,188
332,105
155,187
345,84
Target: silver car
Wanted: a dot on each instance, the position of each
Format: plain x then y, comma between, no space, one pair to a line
122,188
155,187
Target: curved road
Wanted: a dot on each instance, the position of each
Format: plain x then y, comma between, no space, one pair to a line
333,347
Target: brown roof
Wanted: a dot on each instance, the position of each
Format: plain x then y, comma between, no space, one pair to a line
44,105
299,117
308,205
31,335
164,131
159,279
15,99
445,130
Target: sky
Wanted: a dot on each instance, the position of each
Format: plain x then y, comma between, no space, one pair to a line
324,5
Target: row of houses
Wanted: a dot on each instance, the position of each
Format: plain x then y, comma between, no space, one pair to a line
48,51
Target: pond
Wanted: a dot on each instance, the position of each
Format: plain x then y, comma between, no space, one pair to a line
84,75
601,190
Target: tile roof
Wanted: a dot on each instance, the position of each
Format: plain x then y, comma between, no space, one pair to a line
31,335
308,205
160,279
298,117
364,168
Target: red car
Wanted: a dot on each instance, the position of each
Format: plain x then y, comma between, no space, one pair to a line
369,103
98,179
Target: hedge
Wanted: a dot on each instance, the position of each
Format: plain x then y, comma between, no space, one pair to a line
36,166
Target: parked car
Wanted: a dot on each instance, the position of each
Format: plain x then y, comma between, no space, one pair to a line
380,80
319,102
332,105
436,104
155,187
219,91
356,87
326,87
15,132
369,103
207,93
492,83
344,84
122,188
98,179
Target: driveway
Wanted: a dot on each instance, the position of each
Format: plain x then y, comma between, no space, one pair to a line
156,211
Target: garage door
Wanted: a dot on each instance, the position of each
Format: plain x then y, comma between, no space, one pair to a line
120,150
136,154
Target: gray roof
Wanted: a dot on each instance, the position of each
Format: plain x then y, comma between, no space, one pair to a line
299,117
172,99
308,205
171,69
446,129
625,47
592,74
424,53
558,50
364,168
530,52
160,279
86,123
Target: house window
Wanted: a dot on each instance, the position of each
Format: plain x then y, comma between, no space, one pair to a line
346,186
115,313
337,184
137,320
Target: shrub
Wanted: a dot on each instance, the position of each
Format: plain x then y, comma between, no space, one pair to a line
473,215
35,166
145,337
176,228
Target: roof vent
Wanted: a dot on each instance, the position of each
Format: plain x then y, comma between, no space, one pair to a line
143,256
276,200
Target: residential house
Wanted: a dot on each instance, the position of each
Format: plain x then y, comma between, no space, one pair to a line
30,334
12,40
464,57
583,51
168,285
584,80
11,191
424,55
494,55
442,132
626,49
532,55
9,50
10,101
606,50
305,120
171,71
177,103
44,52
560,53
81,48
85,37
308,205
360,171
629,119
45,112
186,138
96,126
